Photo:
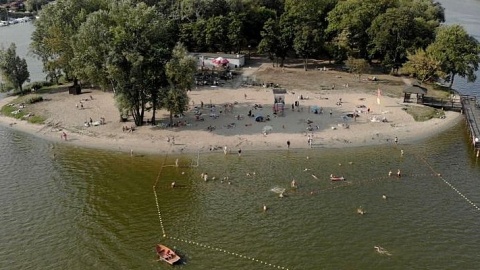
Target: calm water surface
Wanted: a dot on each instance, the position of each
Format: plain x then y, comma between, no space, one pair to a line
64,207
20,35
69,208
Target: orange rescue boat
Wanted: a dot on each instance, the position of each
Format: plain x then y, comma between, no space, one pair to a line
166,254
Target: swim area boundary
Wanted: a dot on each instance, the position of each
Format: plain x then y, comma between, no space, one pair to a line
435,173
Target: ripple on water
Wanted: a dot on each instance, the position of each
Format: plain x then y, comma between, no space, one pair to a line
95,209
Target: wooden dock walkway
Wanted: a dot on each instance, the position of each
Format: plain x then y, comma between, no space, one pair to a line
471,109
444,104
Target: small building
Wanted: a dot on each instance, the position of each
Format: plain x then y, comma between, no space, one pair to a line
414,89
205,59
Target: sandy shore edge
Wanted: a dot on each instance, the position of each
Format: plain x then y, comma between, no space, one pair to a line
234,129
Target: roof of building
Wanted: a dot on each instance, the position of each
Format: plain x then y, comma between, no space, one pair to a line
415,89
215,55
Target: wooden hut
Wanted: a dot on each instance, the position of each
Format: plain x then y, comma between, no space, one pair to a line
414,89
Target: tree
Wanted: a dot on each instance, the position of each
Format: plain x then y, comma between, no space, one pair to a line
349,21
391,37
235,34
192,35
52,38
270,41
422,65
128,51
307,42
216,32
358,66
308,19
180,71
13,68
457,51
354,18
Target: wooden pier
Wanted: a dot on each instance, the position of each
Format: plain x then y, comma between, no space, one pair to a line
444,104
471,109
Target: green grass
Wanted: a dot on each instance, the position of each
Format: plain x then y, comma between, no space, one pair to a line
8,110
421,114
36,119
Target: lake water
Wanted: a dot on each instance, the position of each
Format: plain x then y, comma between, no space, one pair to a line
20,35
65,207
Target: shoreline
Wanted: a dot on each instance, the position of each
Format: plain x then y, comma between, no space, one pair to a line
333,131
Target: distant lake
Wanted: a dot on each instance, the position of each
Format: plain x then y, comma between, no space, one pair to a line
20,34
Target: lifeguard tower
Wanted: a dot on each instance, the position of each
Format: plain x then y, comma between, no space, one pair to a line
279,101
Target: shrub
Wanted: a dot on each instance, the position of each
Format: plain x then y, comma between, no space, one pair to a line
34,99
36,119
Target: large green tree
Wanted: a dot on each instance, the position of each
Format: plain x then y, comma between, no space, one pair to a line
128,52
392,36
13,68
180,71
308,19
422,65
52,38
270,40
361,27
457,51
216,32
349,21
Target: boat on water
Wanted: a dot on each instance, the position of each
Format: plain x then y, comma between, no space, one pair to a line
336,178
166,254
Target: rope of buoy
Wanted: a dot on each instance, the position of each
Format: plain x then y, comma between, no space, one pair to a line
196,243
449,184
156,198
228,252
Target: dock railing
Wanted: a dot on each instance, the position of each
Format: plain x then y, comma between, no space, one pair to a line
471,109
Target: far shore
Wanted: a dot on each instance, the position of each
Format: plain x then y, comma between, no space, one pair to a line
233,128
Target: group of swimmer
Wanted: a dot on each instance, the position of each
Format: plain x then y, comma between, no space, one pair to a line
399,173
205,178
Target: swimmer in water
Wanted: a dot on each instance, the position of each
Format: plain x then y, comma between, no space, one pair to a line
381,250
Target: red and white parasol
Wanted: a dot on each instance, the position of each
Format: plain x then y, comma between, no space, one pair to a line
220,61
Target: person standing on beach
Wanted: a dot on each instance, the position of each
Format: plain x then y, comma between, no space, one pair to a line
239,152
288,144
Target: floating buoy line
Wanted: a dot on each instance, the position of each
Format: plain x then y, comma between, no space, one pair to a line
313,192
439,175
205,246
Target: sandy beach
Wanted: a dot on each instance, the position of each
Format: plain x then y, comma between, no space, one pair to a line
226,122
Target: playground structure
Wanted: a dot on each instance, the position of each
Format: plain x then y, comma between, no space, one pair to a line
279,101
